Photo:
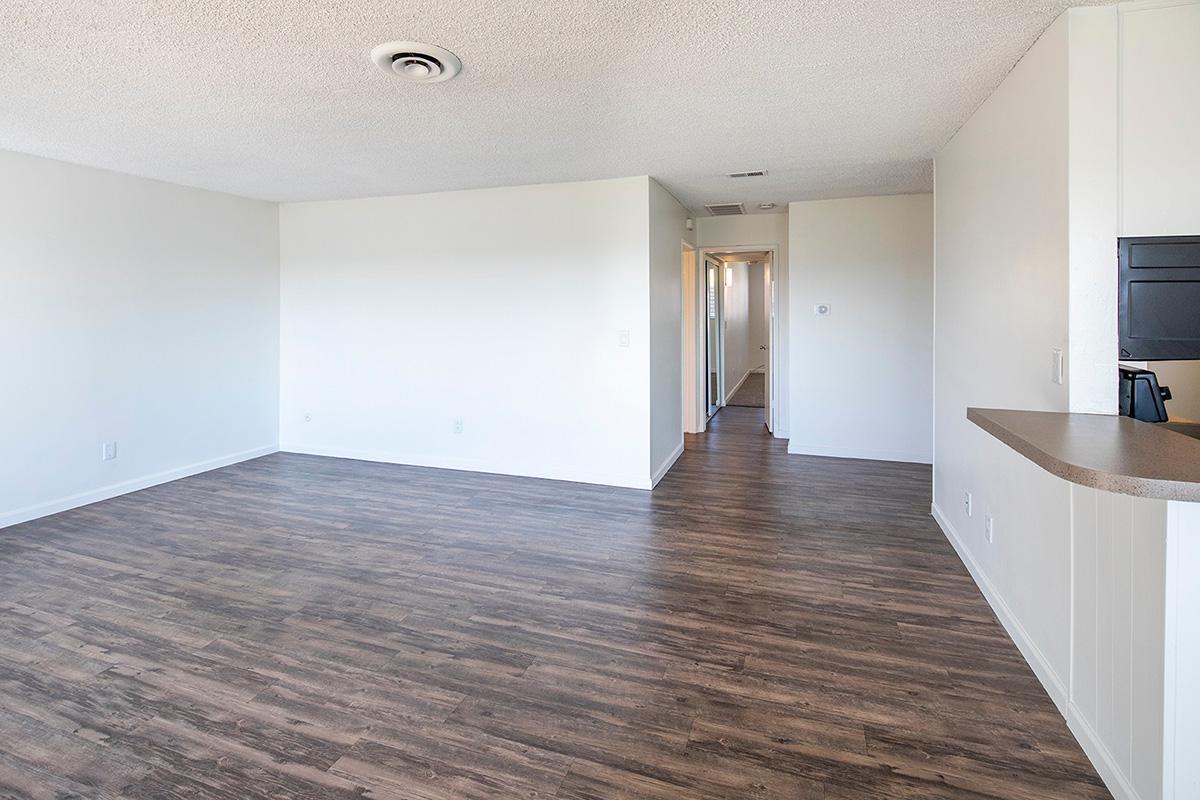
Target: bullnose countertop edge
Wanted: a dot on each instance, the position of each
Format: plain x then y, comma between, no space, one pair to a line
1101,451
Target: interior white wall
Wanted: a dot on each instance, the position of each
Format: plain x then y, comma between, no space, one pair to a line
737,326
1183,377
1160,119
1093,201
1031,195
502,308
758,317
1001,305
865,389
132,311
668,231
1160,146
755,231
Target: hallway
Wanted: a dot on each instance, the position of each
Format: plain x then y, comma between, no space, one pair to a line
760,626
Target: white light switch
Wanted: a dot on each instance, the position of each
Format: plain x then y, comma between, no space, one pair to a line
1056,366
623,339
108,451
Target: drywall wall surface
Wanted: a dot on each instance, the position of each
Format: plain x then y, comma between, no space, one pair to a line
866,387
1001,307
1093,192
737,325
500,330
757,231
668,232
1183,377
1160,119
759,318
134,312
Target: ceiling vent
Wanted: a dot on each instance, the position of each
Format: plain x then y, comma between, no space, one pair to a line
416,62
726,209
754,173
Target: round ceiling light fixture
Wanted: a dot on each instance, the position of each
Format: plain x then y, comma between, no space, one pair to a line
417,62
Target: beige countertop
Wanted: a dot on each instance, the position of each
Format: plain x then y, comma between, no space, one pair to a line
1115,454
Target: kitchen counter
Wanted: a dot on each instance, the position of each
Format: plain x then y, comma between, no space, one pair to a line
1111,453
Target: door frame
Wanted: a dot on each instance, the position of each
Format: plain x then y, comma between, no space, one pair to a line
692,366
717,286
771,411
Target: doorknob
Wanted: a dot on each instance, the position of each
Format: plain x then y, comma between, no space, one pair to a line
762,347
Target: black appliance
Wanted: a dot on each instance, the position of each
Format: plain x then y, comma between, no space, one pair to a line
1159,298
1141,396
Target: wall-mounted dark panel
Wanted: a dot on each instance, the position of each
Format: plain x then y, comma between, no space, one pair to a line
1159,300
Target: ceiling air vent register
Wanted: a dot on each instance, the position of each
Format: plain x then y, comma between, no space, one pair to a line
754,173
726,209
417,62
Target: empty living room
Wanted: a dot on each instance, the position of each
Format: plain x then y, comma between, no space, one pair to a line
600,400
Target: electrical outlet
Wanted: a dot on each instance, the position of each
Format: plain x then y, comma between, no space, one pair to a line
458,426
623,339
989,528
108,451
967,503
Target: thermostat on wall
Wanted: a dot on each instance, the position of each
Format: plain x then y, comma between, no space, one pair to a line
822,309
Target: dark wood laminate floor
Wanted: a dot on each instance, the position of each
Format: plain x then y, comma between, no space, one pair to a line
761,626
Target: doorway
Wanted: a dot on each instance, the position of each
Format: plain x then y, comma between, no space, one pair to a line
738,333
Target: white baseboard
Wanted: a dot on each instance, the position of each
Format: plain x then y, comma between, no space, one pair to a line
1054,685
1100,756
1089,740
33,512
729,395
665,467
571,472
796,448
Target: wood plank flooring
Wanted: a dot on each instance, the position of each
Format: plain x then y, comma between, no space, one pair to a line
761,626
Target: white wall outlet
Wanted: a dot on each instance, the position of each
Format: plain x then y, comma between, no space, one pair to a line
1057,368
822,309
623,339
989,528
458,426
967,503
108,451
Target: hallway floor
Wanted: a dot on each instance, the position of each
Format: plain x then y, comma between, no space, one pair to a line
760,626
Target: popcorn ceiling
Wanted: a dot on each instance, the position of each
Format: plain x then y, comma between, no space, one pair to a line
279,100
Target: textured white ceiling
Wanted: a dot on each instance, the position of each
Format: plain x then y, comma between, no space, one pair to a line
278,99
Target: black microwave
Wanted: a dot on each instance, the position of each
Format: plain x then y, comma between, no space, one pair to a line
1159,298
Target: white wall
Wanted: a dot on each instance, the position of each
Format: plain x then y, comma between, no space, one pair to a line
754,231
1160,146
758,317
668,231
1031,194
1160,119
737,326
864,387
499,307
1184,379
131,311
1002,268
